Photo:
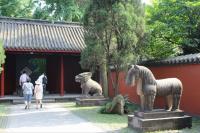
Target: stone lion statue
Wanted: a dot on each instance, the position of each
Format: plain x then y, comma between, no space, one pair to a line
148,88
89,86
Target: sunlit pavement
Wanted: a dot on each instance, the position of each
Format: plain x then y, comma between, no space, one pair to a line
51,118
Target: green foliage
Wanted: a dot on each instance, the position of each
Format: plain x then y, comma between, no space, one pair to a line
92,56
2,55
173,28
58,10
41,13
16,8
113,30
103,109
128,107
40,65
111,122
55,10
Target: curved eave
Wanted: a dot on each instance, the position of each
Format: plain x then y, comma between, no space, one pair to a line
35,35
41,51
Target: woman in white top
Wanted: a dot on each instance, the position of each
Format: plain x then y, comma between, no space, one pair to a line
38,91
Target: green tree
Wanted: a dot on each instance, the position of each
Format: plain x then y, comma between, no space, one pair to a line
2,56
41,12
113,29
59,10
16,8
173,28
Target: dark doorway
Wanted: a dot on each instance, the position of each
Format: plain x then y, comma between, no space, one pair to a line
72,68
15,64
33,65
53,74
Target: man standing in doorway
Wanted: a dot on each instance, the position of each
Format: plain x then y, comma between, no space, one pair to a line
23,78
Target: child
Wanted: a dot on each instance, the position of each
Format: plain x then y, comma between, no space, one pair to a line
38,91
27,92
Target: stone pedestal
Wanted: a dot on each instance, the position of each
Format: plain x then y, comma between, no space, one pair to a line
159,120
91,101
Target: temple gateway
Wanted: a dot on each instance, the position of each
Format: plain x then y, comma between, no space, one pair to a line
38,46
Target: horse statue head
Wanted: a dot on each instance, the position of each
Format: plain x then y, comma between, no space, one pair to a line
132,75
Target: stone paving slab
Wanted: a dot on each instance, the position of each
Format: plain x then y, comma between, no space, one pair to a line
53,117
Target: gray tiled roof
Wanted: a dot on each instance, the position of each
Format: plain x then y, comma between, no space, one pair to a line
184,59
40,35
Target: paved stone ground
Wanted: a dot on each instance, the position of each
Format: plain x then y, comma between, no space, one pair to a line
53,117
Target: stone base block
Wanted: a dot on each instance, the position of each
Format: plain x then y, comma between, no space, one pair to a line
159,120
91,101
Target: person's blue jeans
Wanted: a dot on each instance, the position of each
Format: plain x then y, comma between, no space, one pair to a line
28,97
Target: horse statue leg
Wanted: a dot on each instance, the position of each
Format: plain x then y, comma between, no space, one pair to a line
176,101
146,102
176,97
151,101
169,102
142,102
150,94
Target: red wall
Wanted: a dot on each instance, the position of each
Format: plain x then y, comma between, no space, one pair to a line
189,74
124,90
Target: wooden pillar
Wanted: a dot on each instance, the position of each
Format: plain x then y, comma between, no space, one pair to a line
2,82
62,77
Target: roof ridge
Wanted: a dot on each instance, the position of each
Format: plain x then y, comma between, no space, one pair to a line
181,59
38,21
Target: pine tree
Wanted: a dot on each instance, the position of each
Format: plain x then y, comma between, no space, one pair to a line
113,28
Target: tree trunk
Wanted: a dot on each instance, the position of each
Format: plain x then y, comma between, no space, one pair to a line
116,83
104,79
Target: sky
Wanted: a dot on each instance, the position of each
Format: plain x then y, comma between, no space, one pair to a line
148,2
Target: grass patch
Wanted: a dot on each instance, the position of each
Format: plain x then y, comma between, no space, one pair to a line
129,108
118,123
3,115
3,110
111,122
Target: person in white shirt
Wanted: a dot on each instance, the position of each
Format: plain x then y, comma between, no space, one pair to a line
43,80
23,78
27,92
38,91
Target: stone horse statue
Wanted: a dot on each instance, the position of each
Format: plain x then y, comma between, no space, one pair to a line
88,85
148,88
